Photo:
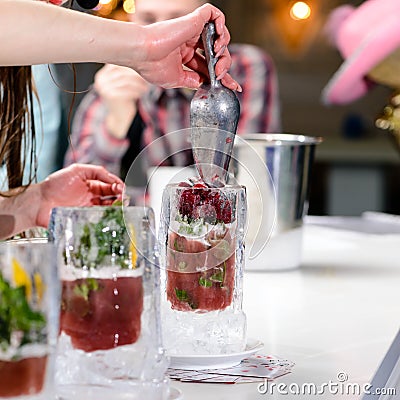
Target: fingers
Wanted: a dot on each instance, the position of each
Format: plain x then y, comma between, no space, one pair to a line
223,64
221,71
193,80
113,82
104,194
230,83
209,12
89,172
197,63
130,91
221,43
190,79
220,49
175,42
220,52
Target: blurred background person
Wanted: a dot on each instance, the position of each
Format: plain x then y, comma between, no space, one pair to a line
122,113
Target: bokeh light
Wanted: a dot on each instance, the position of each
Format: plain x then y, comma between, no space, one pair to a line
105,7
300,10
129,6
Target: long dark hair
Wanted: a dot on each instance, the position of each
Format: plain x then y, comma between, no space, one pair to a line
17,125
17,128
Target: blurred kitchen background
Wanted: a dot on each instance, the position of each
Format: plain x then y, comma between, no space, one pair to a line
357,168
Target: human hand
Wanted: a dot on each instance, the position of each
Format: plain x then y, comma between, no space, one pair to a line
119,85
120,88
76,186
168,46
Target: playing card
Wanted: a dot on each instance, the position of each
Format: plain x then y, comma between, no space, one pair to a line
256,368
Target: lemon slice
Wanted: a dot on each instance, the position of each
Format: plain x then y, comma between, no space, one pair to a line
39,286
132,246
21,277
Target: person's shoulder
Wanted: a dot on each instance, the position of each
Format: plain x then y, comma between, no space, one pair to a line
249,49
91,106
250,53
90,98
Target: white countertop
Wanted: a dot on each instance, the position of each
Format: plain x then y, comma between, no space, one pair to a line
339,312
371,150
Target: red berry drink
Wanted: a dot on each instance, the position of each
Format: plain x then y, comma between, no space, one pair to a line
110,339
29,305
201,251
22,377
100,314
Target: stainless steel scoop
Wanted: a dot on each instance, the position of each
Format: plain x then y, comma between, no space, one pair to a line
214,115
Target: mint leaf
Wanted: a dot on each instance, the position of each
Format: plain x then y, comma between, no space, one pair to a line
205,282
84,289
219,275
177,246
108,236
182,295
16,315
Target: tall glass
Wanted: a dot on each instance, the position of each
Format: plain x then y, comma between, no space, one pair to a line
110,340
29,307
201,247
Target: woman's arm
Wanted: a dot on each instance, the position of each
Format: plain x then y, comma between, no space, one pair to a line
77,185
18,212
38,33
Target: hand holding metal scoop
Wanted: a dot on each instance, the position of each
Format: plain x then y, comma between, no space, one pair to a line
214,115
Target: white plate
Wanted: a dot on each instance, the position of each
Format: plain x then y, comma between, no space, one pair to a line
175,394
206,361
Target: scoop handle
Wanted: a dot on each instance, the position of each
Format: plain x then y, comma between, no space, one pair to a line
208,36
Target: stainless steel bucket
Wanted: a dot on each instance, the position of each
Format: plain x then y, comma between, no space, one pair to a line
275,168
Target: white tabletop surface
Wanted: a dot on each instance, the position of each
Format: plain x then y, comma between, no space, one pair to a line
339,312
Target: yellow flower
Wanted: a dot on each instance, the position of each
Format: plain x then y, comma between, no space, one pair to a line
21,277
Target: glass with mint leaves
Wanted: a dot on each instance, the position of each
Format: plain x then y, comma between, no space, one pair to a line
29,310
201,246
109,315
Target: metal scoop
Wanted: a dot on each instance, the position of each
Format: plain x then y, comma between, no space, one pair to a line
214,115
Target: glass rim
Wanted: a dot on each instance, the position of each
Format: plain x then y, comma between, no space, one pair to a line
142,211
98,207
279,139
27,241
225,187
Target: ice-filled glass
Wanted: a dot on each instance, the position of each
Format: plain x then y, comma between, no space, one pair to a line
29,306
201,245
110,338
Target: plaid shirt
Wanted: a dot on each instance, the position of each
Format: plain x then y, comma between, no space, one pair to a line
167,110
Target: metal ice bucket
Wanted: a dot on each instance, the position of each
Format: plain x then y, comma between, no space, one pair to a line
275,168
